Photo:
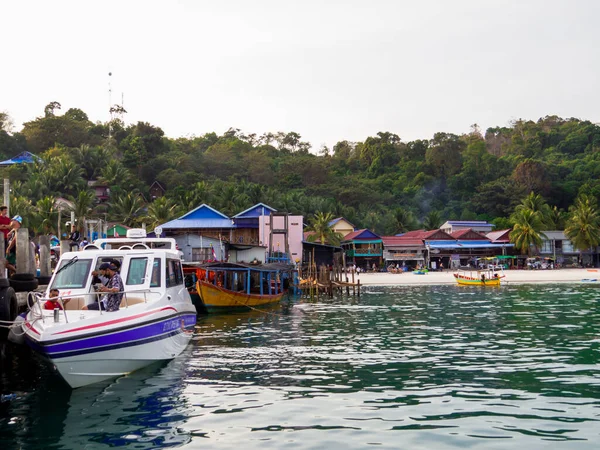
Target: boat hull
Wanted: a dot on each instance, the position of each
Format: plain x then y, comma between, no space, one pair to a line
466,282
463,281
217,297
97,355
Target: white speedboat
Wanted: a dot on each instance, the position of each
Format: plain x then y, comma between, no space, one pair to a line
155,320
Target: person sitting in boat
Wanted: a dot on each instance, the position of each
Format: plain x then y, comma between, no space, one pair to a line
100,276
114,289
53,302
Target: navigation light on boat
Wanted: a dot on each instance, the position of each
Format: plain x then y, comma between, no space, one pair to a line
134,233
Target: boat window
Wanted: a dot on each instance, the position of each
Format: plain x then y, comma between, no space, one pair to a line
137,271
155,280
75,276
174,273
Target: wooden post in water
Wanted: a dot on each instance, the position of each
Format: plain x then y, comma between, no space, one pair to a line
44,256
23,249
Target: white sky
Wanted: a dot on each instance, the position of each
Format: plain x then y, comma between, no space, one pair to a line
329,70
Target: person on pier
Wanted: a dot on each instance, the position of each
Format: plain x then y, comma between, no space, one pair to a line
74,238
11,246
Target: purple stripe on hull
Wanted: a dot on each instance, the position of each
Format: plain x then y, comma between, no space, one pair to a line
116,339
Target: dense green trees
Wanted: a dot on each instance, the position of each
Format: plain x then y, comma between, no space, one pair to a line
383,182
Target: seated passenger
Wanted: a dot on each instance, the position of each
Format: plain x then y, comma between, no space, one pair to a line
53,302
114,288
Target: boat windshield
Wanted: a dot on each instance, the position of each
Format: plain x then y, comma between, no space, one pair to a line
74,276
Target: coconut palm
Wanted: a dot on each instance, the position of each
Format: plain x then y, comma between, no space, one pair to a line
160,211
583,226
127,208
536,203
43,216
114,174
83,203
322,231
557,218
21,206
64,176
526,233
432,221
405,220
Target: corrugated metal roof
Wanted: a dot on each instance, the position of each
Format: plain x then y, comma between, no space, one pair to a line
495,235
555,234
260,209
364,234
198,223
470,223
467,244
403,242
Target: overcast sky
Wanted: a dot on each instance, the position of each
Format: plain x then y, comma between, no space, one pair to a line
329,70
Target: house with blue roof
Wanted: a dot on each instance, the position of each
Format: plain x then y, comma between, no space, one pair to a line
363,248
201,233
205,234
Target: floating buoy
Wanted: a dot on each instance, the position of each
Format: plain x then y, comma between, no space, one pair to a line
16,334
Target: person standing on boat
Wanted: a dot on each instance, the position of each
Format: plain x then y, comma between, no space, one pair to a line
114,289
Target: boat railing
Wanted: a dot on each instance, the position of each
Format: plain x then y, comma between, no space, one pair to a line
39,298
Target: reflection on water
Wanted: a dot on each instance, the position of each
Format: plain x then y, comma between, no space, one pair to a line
426,367
143,410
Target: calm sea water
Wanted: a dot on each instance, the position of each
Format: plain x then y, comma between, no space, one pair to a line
401,368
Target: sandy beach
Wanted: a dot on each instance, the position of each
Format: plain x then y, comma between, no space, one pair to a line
512,276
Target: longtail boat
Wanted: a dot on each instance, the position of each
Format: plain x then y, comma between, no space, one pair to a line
227,285
478,277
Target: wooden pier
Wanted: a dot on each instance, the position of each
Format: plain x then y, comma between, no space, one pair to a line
315,281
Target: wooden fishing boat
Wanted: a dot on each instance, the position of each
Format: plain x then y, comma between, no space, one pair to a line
228,285
488,277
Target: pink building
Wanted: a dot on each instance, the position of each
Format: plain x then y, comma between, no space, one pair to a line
277,230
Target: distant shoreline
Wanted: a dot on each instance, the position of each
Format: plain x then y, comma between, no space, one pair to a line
511,277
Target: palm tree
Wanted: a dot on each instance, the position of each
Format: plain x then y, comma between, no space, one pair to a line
432,221
43,216
527,230
65,176
583,226
160,211
322,230
114,174
21,206
536,203
557,218
405,220
126,208
82,206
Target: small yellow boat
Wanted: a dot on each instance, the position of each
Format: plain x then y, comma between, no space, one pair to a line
478,277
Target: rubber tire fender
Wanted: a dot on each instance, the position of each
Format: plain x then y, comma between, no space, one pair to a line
9,306
22,277
24,286
44,279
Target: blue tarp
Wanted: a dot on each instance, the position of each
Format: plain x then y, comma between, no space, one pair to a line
21,158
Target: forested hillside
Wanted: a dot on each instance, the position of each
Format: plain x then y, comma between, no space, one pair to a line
384,183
